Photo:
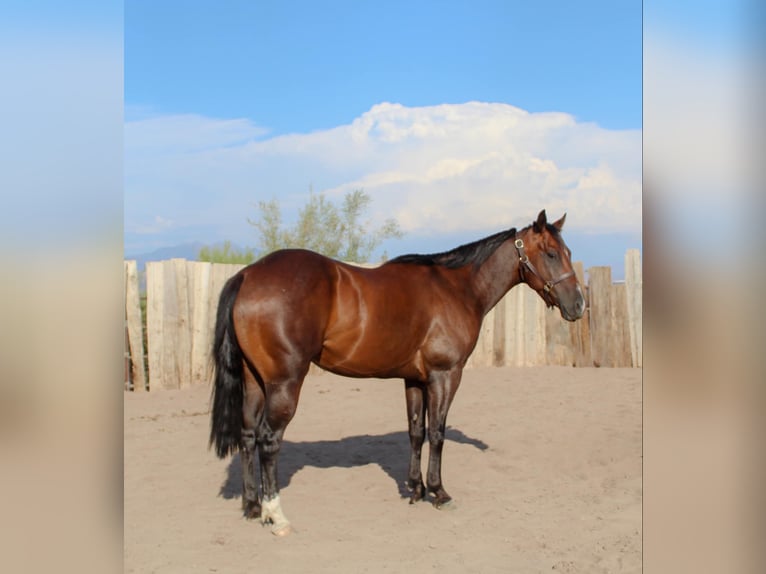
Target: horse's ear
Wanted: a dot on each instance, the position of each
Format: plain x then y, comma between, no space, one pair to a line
560,223
542,221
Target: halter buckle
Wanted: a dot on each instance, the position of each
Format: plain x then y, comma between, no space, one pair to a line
520,248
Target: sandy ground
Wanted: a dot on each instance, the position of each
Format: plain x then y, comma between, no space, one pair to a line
544,465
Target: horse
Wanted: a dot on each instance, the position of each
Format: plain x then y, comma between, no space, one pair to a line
415,317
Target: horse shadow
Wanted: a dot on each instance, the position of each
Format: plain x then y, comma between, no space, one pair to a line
389,451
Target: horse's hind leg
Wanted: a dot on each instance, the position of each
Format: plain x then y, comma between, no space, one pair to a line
252,414
416,421
281,403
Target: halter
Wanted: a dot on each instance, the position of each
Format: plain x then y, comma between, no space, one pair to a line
525,262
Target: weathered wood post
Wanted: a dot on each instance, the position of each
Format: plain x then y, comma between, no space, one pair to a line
600,293
134,326
634,287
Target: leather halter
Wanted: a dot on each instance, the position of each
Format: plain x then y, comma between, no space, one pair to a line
525,262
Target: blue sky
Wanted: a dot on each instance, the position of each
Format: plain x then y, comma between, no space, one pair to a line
458,118
301,66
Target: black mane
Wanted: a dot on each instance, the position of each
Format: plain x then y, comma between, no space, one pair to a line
474,253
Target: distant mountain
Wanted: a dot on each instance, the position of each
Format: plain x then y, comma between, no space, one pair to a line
184,251
187,251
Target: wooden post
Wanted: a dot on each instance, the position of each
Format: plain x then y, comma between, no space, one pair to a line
558,340
634,288
580,330
600,291
514,316
483,353
168,324
155,289
181,365
170,340
200,273
535,328
498,343
134,326
525,328
620,336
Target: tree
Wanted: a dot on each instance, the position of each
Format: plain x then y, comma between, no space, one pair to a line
225,254
324,227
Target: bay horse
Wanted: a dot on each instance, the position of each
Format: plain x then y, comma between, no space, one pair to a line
416,317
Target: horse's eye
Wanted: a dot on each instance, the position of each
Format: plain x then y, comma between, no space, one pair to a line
551,254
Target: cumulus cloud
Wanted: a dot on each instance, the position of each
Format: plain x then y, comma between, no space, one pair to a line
438,168
479,165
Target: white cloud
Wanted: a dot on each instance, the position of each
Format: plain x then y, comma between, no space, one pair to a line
477,165
439,168
185,133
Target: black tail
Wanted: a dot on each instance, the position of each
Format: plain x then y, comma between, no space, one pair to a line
228,394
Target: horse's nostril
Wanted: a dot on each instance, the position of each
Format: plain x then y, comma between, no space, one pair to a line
580,306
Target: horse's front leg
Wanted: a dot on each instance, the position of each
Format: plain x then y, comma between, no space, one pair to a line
442,387
416,421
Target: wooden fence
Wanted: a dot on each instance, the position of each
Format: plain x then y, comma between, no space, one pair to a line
182,296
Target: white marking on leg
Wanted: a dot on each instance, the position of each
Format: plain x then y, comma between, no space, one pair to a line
271,512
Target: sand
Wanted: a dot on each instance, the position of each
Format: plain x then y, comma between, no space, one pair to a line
543,463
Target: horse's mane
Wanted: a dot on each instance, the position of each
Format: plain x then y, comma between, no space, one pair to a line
474,253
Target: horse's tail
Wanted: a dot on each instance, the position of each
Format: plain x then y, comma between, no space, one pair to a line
227,398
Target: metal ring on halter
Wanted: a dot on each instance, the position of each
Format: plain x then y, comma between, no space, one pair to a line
520,247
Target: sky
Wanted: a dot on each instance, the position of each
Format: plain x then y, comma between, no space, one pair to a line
459,119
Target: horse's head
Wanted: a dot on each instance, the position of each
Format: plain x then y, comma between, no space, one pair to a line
545,265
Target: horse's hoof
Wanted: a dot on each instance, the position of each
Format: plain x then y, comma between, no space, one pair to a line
418,492
416,497
446,505
284,530
271,513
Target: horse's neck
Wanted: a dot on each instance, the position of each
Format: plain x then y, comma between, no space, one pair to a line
497,275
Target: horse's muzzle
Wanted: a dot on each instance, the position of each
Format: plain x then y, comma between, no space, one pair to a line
574,308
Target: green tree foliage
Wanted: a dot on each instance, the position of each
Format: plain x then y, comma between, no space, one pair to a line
225,254
338,231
